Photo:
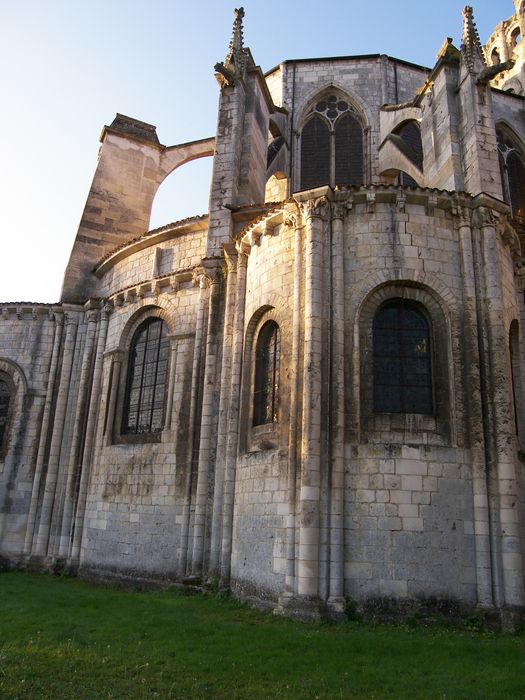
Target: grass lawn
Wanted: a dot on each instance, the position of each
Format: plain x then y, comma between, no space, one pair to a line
62,638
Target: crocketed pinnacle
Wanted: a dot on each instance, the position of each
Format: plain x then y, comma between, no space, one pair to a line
232,69
470,43
237,40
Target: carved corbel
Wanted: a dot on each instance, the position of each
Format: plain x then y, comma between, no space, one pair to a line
401,200
129,295
431,203
255,237
107,309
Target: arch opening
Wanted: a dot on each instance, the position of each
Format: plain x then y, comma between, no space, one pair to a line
184,193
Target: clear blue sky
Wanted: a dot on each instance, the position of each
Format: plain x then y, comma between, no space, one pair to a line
67,66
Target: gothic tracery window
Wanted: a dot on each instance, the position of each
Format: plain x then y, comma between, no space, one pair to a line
144,400
332,145
512,168
402,359
266,383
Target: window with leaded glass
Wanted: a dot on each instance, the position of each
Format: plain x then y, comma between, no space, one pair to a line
5,399
512,168
266,386
332,145
144,401
402,366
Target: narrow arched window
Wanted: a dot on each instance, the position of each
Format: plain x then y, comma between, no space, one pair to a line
266,384
348,151
402,359
315,154
512,167
332,150
5,400
144,401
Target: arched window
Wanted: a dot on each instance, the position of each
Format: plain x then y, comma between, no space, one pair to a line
266,383
315,153
332,146
402,359
144,401
512,167
515,37
5,400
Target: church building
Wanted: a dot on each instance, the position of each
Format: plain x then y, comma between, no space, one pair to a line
314,393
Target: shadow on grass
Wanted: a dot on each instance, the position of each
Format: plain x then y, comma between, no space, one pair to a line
62,638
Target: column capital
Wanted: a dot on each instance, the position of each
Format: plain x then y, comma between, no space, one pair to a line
315,208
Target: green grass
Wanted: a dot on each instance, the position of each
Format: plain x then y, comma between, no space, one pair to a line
61,638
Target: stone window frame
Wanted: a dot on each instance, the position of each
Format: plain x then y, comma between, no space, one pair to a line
407,427
266,436
310,112
270,334
8,381
137,320
516,149
14,377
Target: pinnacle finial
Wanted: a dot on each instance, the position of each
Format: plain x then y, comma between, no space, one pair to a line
237,40
234,65
470,43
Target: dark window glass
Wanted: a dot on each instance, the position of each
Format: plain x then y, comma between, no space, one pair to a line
266,389
512,168
147,378
402,360
348,151
516,175
315,154
5,398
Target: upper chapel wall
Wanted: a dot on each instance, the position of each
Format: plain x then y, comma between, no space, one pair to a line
367,82
152,258
373,81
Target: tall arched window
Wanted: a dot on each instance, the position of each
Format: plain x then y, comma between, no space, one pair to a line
5,400
266,383
512,167
332,150
144,401
402,359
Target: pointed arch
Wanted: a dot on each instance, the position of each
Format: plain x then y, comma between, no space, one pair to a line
512,169
315,153
348,151
332,140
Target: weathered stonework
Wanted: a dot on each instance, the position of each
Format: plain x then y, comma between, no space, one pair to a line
331,499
